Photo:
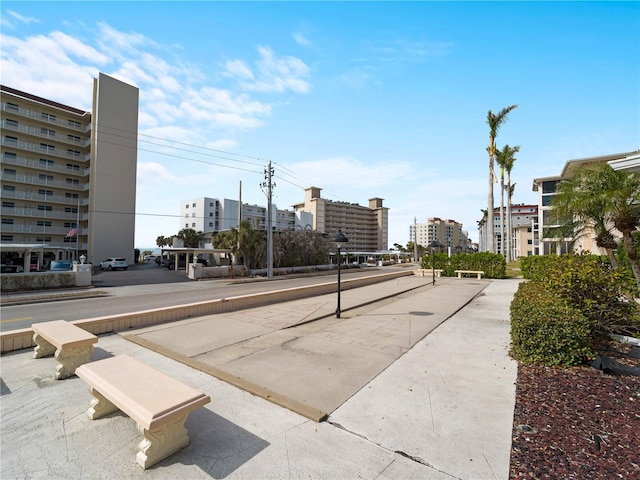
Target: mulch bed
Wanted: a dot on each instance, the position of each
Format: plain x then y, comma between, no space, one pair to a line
577,423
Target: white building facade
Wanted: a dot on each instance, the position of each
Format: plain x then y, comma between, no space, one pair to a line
207,215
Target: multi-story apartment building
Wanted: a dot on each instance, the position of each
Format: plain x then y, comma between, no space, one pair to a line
367,228
546,188
523,217
447,233
205,214
68,176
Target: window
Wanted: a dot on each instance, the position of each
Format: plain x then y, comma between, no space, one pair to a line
43,239
73,153
186,206
186,215
211,224
7,221
45,178
74,138
11,140
8,204
211,204
186,225
42,191
70,210
194,205
75,168
47,132
211,214
11,123
529,230
71,195
193,215
72,181
46,163
6,238
45,208
13,107
9,188
74,123
48,116
529,242
47,148
193,225
43,223
10,156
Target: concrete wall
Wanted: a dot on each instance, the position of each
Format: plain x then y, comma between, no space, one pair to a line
112,201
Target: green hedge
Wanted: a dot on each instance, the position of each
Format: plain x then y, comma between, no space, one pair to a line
545,329
493,265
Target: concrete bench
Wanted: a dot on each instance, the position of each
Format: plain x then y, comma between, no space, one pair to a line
427,272
479,273
159,404
71,344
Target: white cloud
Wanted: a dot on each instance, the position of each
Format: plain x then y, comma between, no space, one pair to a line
272,73
301,39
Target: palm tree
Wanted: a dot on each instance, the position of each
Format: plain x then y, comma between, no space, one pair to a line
505,159
494,121
189,237
603,199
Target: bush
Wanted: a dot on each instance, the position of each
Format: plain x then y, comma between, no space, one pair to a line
588,283
493,265
547,330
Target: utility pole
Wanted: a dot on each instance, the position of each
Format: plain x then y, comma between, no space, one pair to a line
415,241
269,186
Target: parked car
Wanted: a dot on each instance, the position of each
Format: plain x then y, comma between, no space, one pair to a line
9,267
60,266
113,263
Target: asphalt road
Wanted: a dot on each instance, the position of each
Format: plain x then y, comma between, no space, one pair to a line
143,287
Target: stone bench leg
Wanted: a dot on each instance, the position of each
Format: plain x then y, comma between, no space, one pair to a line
43,347
70,359
100,406
159,444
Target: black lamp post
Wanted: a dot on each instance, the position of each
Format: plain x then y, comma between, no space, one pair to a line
339,238
433,246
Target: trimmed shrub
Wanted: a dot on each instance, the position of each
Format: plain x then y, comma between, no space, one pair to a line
547,330
493,265
604,295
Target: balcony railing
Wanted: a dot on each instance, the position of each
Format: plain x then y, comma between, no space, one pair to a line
38,149
33,180
37,115
21,161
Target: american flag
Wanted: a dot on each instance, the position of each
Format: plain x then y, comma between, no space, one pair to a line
72,233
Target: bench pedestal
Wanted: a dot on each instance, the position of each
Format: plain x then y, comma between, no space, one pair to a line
159,404
70,345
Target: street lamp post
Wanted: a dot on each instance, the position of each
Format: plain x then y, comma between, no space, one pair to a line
339,238
433,245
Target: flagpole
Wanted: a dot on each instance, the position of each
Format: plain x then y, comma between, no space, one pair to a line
78,227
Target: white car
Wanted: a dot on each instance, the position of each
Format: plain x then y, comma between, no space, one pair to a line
114,263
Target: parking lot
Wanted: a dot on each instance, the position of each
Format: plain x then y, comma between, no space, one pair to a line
137,274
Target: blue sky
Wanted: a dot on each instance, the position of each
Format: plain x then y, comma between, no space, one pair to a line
361,99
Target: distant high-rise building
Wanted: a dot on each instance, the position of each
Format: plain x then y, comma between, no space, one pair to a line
205,214
367,228
448,234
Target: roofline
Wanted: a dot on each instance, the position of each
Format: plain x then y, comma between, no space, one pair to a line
35,98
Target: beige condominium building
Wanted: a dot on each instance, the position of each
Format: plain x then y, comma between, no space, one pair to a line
546,188
447,233
69,176
367,228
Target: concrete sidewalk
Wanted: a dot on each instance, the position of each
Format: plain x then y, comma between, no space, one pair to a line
400,404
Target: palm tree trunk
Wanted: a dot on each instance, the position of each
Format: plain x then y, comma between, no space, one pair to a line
502,229
490,199
633,258
509,239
